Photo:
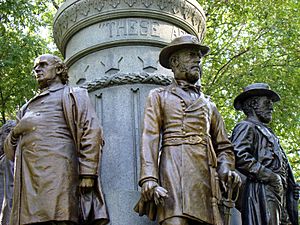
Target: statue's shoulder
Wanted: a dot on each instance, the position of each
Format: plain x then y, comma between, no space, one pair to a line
157,91
245,125
209,101
78,91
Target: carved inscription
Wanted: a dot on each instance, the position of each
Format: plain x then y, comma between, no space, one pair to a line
78,12
131,27
177,32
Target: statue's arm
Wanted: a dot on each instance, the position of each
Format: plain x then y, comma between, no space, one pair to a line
10,146
12,139
221,142
243,139
89,138
151,140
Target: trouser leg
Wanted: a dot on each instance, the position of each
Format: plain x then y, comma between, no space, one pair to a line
274,205
284,214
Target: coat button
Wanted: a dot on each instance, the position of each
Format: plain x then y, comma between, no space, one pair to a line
184,114
38,114
34,128
183,132
181,101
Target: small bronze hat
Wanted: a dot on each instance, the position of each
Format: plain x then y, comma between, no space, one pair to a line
256,89
185,41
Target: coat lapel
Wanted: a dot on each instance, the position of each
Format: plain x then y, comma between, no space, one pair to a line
176,90
198,103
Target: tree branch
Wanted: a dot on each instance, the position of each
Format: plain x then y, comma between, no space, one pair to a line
55,4
226,64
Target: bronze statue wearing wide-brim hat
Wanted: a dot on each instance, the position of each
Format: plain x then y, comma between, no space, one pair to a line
256,89
183,42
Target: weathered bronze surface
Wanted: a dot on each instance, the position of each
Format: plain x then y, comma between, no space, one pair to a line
6,166
185,148
56,146
270,194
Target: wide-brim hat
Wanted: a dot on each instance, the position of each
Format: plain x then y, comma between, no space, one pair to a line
256,89
182,42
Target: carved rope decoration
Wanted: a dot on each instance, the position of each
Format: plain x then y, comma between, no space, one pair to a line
128,78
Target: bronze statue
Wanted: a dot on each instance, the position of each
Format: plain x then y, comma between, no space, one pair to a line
185,149
270,194
8,175
56,145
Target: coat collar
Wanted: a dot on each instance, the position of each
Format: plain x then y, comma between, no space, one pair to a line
43,92
52,88
184,96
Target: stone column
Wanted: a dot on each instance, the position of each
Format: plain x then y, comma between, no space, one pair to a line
111,47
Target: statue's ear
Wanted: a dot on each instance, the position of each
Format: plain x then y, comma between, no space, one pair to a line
173,61
59,70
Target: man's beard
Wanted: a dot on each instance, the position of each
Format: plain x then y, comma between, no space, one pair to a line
263,115
192,76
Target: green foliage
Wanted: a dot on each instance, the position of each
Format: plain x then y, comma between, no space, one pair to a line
22,24
256,41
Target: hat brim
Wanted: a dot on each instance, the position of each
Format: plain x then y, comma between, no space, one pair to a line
254,92
167,51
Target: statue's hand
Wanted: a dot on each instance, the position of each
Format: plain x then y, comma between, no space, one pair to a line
296,192
148,189
159,194
23,126
267,176
86,184
276,182
229,179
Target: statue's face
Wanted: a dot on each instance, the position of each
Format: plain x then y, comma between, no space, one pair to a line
264,109
45,70
189,65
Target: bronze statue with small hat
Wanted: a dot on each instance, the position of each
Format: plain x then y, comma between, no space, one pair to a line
185,149
270,194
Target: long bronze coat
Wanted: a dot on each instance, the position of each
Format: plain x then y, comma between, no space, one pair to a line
192,141
255,147
47,174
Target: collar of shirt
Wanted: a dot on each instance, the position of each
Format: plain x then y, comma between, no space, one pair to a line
187,86
52,88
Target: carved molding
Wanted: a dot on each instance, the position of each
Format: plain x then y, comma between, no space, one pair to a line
128,78
85,12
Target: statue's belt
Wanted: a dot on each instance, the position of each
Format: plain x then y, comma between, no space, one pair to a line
190,140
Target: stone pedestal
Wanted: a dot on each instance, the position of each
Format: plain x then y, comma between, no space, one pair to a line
111,47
